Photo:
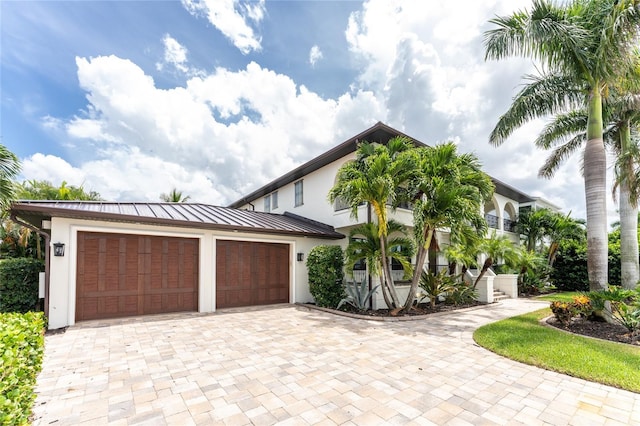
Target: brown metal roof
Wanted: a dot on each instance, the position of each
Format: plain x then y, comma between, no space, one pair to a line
188,215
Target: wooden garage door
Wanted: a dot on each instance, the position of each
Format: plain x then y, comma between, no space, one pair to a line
250,273
121,275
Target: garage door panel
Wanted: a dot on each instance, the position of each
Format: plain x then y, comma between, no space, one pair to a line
251,273
123,275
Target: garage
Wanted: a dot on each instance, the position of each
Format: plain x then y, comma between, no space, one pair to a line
251,273
122,275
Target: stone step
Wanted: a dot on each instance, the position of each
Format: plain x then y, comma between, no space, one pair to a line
499,295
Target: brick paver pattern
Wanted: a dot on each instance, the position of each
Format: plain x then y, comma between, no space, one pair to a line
286,364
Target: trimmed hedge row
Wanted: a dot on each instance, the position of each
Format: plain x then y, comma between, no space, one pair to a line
19,284
21,349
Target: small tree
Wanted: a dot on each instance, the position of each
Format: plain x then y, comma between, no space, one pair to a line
325,265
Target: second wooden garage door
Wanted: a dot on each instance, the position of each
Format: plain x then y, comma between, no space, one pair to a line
121,275
251,273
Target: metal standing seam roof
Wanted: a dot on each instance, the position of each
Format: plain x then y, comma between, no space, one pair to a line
191,215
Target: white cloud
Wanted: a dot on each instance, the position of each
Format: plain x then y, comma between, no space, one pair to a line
231,18
315,54
175,54
227,132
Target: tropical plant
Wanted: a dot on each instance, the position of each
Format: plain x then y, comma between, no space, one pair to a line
364,243
496,247
374,178
623,305
174,196
45,190
461,293
448,192
463,253
358,296
433,285
9,169
530,266
584,47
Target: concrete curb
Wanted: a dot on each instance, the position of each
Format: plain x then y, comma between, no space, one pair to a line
392,319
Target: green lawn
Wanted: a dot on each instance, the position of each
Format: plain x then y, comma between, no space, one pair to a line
523,339
566,296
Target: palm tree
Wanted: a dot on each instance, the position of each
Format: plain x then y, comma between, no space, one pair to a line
567,133
584,46
9,169
174,196
496,247
364,243
449,191
374,178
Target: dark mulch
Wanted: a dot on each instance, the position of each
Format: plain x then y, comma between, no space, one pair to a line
421,309
598,329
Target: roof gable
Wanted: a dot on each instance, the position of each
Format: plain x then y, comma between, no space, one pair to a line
380,133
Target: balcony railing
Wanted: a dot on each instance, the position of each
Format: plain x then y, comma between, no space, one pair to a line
492,221
509,225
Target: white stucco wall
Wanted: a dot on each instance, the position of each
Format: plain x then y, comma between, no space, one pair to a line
62,294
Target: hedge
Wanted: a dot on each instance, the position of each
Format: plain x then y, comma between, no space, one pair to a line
19,284
326,275
21,349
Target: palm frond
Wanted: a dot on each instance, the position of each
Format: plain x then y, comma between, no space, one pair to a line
544,95
560,154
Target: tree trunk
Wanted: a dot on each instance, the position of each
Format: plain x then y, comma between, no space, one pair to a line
385,293
423,250
387,274
485,267
595,186
629,267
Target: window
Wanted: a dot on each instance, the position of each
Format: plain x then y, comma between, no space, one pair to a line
274,200
298,193
267,203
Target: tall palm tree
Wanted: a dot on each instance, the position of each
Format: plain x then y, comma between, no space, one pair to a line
9,169
364,243
374,177
621,116
583,46
449,192
174,196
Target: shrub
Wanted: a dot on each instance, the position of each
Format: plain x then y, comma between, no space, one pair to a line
326,275
569,271
624,305
21,348
19,284
563,311
461,293
435,285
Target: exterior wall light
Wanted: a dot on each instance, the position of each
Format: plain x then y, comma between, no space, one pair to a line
300,257
58,249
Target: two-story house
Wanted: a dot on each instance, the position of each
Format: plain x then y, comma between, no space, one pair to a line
116,259
304,192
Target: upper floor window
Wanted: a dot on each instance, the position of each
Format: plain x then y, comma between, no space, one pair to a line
267,203
274,200
298,193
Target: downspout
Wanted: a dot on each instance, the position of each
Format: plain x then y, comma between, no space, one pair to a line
368,268
47,240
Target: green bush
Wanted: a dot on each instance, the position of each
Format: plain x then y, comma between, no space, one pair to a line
569,271
19,284
21,349
326,275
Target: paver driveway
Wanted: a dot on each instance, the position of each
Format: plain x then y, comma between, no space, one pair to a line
286,364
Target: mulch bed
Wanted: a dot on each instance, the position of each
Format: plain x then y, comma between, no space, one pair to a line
421,309
599,330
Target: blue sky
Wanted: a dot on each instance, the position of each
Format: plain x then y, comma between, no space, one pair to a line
218,97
